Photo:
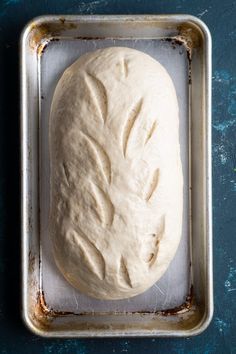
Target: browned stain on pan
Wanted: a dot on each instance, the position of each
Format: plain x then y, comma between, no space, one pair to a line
42,47
191,35
185,307
31,264
40,313
41,33
43,310
47,311
91,38
175,311
62,20
43,318
178,40
43,315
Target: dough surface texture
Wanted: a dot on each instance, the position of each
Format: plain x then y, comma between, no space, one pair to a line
116,184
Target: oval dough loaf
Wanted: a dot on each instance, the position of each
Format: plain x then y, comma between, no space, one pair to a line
116,175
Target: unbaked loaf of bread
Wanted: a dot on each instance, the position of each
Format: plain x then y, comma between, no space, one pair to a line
115,173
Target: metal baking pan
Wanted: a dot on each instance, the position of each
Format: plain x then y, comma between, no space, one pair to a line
181,302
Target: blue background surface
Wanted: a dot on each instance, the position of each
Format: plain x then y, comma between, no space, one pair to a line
220,337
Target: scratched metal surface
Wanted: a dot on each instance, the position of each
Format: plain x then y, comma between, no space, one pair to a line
172,289
220,336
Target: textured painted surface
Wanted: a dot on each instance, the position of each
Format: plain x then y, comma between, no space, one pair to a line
220,336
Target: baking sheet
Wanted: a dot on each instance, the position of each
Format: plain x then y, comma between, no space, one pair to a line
172,289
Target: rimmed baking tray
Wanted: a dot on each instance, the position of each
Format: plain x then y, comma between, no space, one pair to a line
181,302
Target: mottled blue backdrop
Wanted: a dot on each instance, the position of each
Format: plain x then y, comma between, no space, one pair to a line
220,337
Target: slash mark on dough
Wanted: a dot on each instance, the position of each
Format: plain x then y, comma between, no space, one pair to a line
125,67
124,273
100,157
92,256
98,94
152,185
104,206
150,133
129,125
152,244
66,173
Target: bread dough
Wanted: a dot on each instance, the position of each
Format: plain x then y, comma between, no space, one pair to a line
116,175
